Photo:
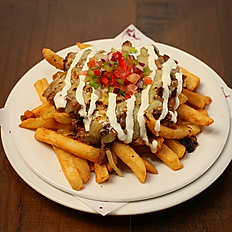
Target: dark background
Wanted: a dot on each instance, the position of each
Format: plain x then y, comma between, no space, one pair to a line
201,28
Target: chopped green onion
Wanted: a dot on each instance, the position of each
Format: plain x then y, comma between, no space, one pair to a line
136,62
146,71
90,73
133,50
125,55
120,81
123,93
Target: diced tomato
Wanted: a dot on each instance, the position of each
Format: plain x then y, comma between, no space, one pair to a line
92,62
131,88
147,80
127,96
133,78
29,114
122,74
105,80
84,73
97,72
113,77
122,63
117,55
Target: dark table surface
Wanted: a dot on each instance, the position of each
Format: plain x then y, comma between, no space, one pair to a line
201,28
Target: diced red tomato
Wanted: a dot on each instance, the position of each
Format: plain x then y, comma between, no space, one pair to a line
97,72
122,63
133,78
29,114
84,73
131,88
105,80
147,80
117,55
122,74
92,62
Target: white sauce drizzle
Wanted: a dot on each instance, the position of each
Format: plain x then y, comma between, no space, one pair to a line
179,89
79,91
112,116
145,99
59,99
92,107
129,119
166,79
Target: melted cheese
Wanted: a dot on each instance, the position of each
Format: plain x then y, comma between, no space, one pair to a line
126,136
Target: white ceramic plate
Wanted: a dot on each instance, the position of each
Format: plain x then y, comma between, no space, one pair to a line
133,208
43,161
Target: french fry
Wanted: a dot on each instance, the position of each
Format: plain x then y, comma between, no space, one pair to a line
192,81
101,173
70,145
83,167
52,58
82,45
40,87
131,159
48,112
34,123
38,109
69,169
180,132
149,166
194,99
187,113
176,146
202,111
62,118
169,158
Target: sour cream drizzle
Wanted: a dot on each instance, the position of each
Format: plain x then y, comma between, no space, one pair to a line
59,99
166,79
92,107
112,116
79,91
145,99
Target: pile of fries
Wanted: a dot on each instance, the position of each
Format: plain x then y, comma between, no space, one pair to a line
79,159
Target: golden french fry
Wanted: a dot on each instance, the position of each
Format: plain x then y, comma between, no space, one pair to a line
62,118
202,111
83,46
40,87
180,132
48,112
192,81
194,99
83,167
187,113
149,166
34,123
69,169
169,158
54,59
207,99
131,159
182,98
101,173
70,145
37,110
176,146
